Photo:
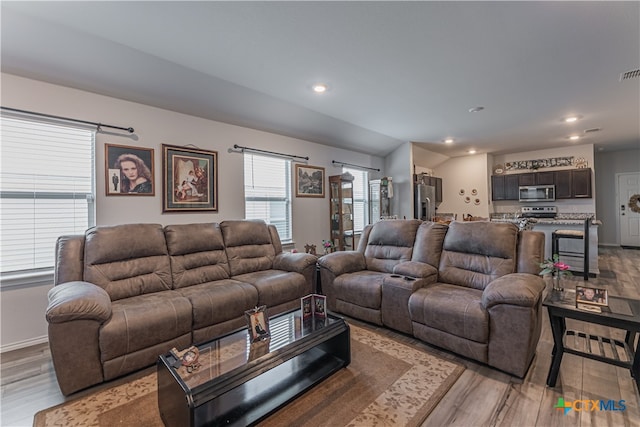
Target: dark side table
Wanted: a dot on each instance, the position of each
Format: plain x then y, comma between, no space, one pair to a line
622,313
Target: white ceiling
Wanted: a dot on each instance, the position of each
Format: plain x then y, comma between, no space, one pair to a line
397,71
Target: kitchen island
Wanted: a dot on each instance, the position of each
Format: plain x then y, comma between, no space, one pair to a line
564,222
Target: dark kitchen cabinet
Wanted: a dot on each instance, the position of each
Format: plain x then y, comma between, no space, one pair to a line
504,187
437,183
581,183
573,184
527,179
545,178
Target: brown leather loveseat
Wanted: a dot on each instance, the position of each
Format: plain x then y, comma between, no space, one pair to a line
125,294
470,287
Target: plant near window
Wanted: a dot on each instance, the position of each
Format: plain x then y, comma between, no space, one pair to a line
557,270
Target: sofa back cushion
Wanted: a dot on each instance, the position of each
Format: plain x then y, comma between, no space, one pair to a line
127,260
197,254
248,246
389,243
428,246
475,253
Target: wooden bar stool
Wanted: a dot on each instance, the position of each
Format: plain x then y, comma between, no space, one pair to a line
573,234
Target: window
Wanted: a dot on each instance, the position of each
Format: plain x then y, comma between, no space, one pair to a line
360,198
46,190
267,192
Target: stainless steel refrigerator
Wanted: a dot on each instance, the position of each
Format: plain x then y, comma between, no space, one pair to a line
424,202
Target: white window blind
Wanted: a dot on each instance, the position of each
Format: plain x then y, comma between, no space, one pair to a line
46,190
360,198
267,192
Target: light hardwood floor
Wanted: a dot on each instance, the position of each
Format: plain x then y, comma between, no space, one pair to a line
481,397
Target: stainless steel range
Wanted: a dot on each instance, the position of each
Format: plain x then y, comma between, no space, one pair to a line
539,211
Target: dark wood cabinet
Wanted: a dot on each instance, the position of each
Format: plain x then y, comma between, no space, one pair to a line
563,184
581,183
437,183
504,187
545,178
570,183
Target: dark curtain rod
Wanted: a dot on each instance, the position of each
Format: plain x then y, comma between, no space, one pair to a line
236,146
355,166
49,116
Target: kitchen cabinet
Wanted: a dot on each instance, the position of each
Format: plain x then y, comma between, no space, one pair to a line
505,187
581,183
570,183
341,212
437,183
573,184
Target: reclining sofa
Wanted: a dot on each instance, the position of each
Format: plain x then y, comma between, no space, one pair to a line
469,287
125,294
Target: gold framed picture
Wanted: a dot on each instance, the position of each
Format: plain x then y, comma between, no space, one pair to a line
309,181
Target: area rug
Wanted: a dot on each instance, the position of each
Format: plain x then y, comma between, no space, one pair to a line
387,383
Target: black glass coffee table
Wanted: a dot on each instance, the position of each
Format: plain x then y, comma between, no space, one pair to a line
621,313
239,382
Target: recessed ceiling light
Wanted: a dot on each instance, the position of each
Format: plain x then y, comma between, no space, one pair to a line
475,109
571,119
448,141
320,88
472,151
574,137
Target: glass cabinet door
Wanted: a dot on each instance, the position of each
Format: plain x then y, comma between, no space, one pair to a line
341,212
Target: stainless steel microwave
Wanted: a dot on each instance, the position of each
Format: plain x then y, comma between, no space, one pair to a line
537,193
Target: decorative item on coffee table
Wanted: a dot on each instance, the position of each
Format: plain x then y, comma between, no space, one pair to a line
314,305
257,323
591,299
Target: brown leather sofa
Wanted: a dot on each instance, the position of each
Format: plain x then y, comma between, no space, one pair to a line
125,294
469,287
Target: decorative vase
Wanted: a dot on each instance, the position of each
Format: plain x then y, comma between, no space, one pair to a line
557,282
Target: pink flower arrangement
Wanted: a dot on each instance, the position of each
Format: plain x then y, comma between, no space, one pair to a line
554,266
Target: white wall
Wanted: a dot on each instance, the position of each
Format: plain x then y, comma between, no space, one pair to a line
608,164
154,127
398,165
465,173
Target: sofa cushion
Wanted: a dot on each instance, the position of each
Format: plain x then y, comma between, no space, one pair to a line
276,286
389,243
127,260
428,246
197,254
363,288
476,253
144,321
454,309
248,245
219,301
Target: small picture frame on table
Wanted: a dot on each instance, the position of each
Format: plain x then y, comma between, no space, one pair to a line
258,323
595,296
314,305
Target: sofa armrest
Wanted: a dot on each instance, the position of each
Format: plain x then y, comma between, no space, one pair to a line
343,262
520,289
78,301
416,269
297,262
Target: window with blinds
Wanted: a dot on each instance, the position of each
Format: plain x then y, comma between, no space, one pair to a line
46,190
267,192
360,198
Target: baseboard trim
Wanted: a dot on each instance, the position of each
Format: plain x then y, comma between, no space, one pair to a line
24,344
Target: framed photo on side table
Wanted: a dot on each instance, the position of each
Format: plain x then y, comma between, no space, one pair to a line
595,296
309,181
190,179
128,171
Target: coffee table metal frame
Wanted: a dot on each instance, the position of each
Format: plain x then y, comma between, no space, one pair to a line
561,306
252,389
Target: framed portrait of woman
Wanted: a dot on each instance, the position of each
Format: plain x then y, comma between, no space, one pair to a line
190,179
128,171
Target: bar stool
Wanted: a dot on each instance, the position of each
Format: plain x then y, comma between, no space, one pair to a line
573,234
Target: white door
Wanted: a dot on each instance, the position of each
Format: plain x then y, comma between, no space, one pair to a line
628,187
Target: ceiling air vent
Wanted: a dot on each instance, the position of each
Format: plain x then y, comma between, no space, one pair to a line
631,74
592,130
